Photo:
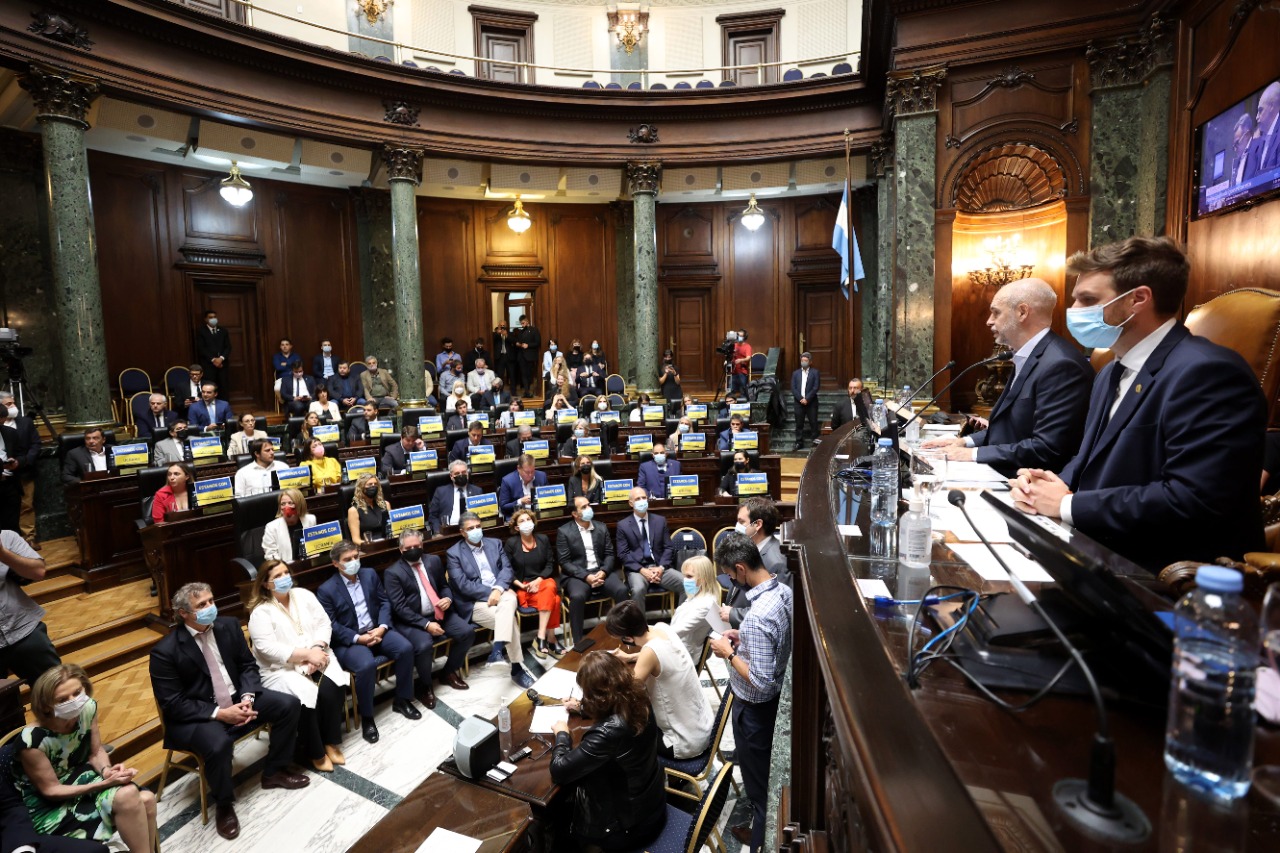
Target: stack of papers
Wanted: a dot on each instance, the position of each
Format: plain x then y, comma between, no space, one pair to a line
558,683
961,473
544,716
980,559
445,841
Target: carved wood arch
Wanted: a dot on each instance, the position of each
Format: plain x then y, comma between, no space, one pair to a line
1012,174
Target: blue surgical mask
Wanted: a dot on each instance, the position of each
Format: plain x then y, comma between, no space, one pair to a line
1089,328
284,583
690,587
474,535
587,514
351,568
207,615
683,427
579,433
326,350
641,506
553,348
660,458
741,528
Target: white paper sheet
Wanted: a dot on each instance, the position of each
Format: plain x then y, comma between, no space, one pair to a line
717,624
849,530
443,841
557,683
977,556
871,587
941,427
973,472
544,716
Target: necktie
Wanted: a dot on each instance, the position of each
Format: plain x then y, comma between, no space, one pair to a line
644,533
221,690
208,407
460,508
431,591
1113,383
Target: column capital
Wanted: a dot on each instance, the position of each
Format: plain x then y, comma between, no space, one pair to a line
1129,60
59,95
914,91
404,163
642,178
880,159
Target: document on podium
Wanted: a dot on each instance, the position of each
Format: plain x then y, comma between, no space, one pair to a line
982,562
442,840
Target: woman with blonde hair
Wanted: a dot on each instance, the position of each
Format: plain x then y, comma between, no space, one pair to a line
702,595
584,481
282,537
367,515
66,778
309,422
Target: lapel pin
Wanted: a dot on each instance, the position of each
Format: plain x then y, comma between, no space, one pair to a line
1137,389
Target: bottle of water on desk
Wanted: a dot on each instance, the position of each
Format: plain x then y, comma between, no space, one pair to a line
884,500
905,395
878,417
915,536
504,732
1209,739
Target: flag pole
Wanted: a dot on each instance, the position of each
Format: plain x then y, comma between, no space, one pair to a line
848,213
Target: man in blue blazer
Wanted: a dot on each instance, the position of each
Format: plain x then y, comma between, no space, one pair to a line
422,611
517,489
297,390
654,473
448,503
360,612
324,365
155,421
725,441
209,413
805,381
480,576
475,437
1168,469
644,549
1039,418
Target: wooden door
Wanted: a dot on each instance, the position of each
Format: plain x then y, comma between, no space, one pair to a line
248,376
503,48
750,50
823,322
687,323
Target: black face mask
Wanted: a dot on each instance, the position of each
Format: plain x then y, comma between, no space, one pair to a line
413,555
371,491
460,481
740,466
585,469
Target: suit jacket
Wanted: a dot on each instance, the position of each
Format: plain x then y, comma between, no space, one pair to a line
1174,474
441,507
74,465
513,447
464,573
512,490
725,440
402,590
286,388
571,554
28,447
366,383
459,449
395,459
341,387
455,422
631,544
652,480
849,408
198,414
811,393
147,424
180,676
317,366
495,399
469,359
336,601
531,337
211,343
359,429
1255,163
1039,418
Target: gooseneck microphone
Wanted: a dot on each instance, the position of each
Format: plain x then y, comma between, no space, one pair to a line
950,364
1091,805
1002,356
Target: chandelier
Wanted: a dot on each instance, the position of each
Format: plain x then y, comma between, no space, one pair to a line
753,216
1008,262
629,26
517,220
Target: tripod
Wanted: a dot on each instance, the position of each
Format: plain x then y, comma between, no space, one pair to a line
22,394
728,381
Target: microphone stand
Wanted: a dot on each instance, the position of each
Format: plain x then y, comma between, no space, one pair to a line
950,364
1004,356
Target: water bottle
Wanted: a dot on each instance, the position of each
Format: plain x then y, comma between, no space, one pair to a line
884,484
504,730
878,415
915,536
905,396
1209,740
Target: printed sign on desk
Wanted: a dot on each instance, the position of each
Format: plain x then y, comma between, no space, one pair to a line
550,500
539,450
523,418
422,461
319,539
325,432
696,412
215,491
430,425
651,414
609,417
275,442
753,484
693,442
745,440
380,427
295,478
589,446
408,518
482,417
566,416
639,443
359,465
743,409
617,491
682,486
205,448
130,455
485,506
480,454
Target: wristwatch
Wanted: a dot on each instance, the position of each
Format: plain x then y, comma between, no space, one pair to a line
729,659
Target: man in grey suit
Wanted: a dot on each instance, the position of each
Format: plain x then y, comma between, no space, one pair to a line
1264,151
757,518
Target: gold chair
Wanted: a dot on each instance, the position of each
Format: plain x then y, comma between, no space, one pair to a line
198,767
382,671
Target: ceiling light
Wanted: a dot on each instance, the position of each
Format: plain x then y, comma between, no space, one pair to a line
752,217
235,189
517,220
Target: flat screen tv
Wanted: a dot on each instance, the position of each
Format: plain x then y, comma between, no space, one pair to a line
1238,153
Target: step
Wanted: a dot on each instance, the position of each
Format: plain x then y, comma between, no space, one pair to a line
55,588
60,553
115,651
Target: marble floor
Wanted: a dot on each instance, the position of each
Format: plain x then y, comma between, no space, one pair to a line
337,808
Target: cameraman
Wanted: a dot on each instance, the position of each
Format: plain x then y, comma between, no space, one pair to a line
669,382
741,363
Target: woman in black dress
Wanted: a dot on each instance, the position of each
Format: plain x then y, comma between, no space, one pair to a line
367,515
532,565
584,481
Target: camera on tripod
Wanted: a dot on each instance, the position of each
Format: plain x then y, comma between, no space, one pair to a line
11,353
726,349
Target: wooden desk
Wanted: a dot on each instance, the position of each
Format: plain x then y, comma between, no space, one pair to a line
498,821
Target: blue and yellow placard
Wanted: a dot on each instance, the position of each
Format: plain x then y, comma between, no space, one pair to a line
682,486
745,440
566,416
753,484
407,518
380,427
325,432
652,414
537,449
743,409
524,418
217,490
589,446
549,497
430,424
639,443
691,442
275,442
482,417
205,447
319,539
696,411
295,478
608,417
423,460
358,465
617,491
480,454
130,455
485,505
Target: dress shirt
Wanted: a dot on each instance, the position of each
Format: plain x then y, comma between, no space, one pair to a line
327,369
360,603
217,655
300,387
486,571
98,460
764,643
253,479
804,383
589,542
1019,358
426,599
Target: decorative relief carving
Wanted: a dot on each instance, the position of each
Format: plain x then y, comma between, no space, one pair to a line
645,134
220,256
403,163
951,142
59,95
1011,78
1128,61
642,178
401,112
1072,127
880,159
1009,176
61,29
916,91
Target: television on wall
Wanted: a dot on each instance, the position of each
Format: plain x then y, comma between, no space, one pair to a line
1238,153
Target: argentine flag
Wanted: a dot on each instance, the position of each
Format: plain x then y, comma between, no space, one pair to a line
840,242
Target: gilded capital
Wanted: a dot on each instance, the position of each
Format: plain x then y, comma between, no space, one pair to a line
914,91
59,95
642,178
403,163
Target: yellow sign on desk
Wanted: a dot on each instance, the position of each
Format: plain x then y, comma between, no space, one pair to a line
485,505
319,539
205,447
537,449
566,416
480,454
130,455
430,425
682,485
295,478
524,418
213,491
421,461
380,427
743,409
407,518
588,446
696,412
693,442
753,484
639,443
745,440
652,414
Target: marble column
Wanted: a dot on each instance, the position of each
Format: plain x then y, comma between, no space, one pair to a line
404,172
642,179
624,239
877,290
377,284
912,98
62,101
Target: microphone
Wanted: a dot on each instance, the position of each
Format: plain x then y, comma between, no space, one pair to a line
1001,356
1092,805
950,364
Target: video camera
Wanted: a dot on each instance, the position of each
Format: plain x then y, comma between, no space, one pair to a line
730,341
11,353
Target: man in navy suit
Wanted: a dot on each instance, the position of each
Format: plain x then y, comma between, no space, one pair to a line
1264,150
209,413
1173,445
475,437
213,348
344,389
297,390
205,712
156,419
480,577
422,611
644,549
360,611
395,459
584,551
725,441
323,365
448,503
517,489
805,382
1039,418
654,473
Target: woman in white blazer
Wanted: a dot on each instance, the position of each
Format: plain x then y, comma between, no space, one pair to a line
240,441
284,531
290,634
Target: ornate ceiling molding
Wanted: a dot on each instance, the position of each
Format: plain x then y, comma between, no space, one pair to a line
913,92
1130,60
401,112
1008,176
403,163
59,95
642,178
61,29
645,134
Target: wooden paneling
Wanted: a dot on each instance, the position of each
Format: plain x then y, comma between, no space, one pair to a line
580,251
755,275
686,312
208,216
446,264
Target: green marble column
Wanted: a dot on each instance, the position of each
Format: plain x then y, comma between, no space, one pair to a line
1153,176
62,101
377,284
625,263
877,290
642,178
404,172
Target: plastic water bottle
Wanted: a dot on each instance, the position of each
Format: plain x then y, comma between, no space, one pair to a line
884,484
1209,740
905,396
878,415
915,536
504,731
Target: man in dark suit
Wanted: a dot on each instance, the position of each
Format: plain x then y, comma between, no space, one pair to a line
1264,151
210,693
422,611
344,389
504,354
515,446
448,503
27,453
324,366
480,576
725,440
154,422
359,429
360,612
805,382
1039,418
517,488
209,413
297,390
856,405
458,420
644,549
475,437
16,832
497,397
527,343
213,347
12,453
476,353
588,568
654,473
1173,444
79,461
395,459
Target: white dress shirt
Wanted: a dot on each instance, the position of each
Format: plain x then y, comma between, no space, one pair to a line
589,542
98,460
217,656
253,479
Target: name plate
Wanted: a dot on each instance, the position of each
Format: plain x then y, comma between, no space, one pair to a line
617,491
549,496
693,441
536,449
566,416
325,432
205,447
130,455
215,491
743,409
745,440
589,446
683,486
651,414
275,442
423,460
485,506
319,539
480,454
639,443
608,417
753,484
295,478
408,518
696,411
482,417
523,418
380,427
430,424
359,465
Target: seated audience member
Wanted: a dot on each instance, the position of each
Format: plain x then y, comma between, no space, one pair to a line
480,576
574,358
458,420
451,377
378,385
300,441
422,611
508,419
758,519
93,456
601,409
618,801
297,390
290,634
598,354
429,385
532,566
515,446
323,364
581,429
191,391
344,389
702,595
683,427
584,551
857,405
255,478
558,403
17,835
497,397
517,489
325,469
360,429
247,434
475,437
725,442
209,691
324,407
667,671
155,420
358,607
175,494
480,379
170,450
282,537
654,473
367,515
549,359
284,362
209,413
590,377
449,503
445,355
457,395
25,648
560,386
476,354
584,481
644,550
729,399
395,459
64,775
637,415
741,465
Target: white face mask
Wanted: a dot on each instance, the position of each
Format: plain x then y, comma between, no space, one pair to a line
13,411
70,709
526,528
